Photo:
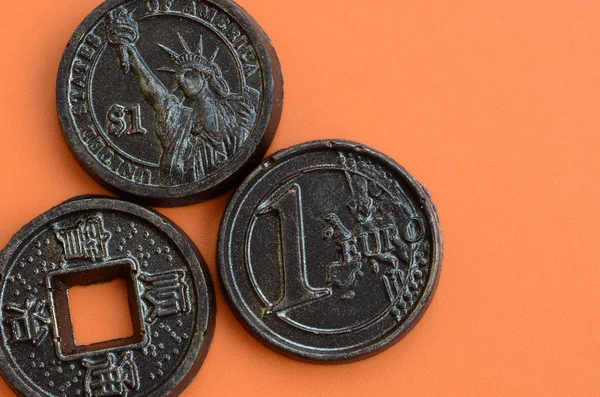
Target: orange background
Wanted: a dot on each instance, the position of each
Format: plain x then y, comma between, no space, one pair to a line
493,105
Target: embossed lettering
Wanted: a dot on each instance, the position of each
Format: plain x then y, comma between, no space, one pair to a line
94,40
116,120
90,46
413,230
121,167
77,95
127,170
247,55
96,145
106,156
240,43
88,134
191,8
80,66
390,235
31,324
350,251
223,22
87,240
234,34
80,73
220,21
86,52
250,63
207,13
132,172
227,121
79,109
365,243
368,239
121,119
155,6
144,176
79,81
166,293
109,377
287,204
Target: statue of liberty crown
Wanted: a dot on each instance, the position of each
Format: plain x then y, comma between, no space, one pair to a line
192,59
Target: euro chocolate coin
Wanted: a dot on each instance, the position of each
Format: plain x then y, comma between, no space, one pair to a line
330,251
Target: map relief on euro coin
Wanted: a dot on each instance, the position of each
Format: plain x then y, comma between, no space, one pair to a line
165,94
341,252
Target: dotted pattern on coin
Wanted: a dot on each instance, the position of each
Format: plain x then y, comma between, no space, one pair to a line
169,101
330,251
92,240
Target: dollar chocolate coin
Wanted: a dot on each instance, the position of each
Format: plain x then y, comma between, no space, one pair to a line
330,251
94,240
169,102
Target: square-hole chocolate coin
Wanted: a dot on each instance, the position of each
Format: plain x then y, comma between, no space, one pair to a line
94,240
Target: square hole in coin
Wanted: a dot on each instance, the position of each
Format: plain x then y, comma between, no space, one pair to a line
86,293
100,312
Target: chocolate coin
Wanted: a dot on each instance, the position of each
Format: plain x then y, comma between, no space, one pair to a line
169,102
330,251
93,240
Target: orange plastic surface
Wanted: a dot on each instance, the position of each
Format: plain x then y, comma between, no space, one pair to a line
493,105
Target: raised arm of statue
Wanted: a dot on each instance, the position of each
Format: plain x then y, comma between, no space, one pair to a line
122,32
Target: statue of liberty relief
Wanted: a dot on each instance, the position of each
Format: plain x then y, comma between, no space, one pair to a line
205,126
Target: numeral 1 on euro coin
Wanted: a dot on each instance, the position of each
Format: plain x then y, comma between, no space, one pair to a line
286,203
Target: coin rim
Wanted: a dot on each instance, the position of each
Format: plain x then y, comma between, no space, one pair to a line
262,332
215,183
201,341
